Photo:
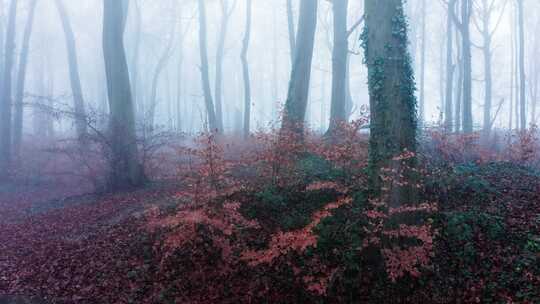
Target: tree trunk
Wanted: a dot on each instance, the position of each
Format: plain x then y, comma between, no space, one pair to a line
125,168
245,70
134,66
340,53
467,66
291,29
297,97
459,88
392,102
522,80
218,88
161,65
203,49
450,67
78,100
5,94
21,78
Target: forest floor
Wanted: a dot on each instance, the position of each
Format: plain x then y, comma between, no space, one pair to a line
314,240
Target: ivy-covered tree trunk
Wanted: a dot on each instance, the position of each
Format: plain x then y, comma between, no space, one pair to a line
392,102
125,168
297,98
5,93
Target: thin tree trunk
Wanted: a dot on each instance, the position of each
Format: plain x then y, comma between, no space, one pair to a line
392,101
21,78
134,66
125,168
340,52
245,70
296,104
5,94
450,67
459,88
218,88
467,66
78,100
522,80
203,49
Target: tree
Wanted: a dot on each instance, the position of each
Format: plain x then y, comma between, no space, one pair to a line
21,78
297,97
422,100
161,65
125,168
485,11
245,70
218,88
291,29
521,59
450,67
203,50
5,93
392,101
340,54
463,26
134,66
75,80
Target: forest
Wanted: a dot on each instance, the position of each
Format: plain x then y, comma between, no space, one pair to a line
269,151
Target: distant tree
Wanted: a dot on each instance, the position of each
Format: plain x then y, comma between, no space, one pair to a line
203,50
297,97
521,60
450,66
483,22
5,93
245,70
392,101
463,25
226,12
163,60
21,79
74,77
125,168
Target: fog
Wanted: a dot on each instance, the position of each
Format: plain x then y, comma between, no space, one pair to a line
179,91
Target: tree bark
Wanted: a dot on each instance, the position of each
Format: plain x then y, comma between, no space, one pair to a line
340,53
5,94
392,102
76,89
245,70
297,97
21,79
203,49
125,168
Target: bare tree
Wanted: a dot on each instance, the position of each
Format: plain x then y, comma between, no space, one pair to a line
75,80
463,26
245,70
450,66
296,104
5,93
125,169
422,102
203,49
21,79
223,30
521,59
392,101
484,12
340,54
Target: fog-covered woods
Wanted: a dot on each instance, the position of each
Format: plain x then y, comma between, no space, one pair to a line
278,151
